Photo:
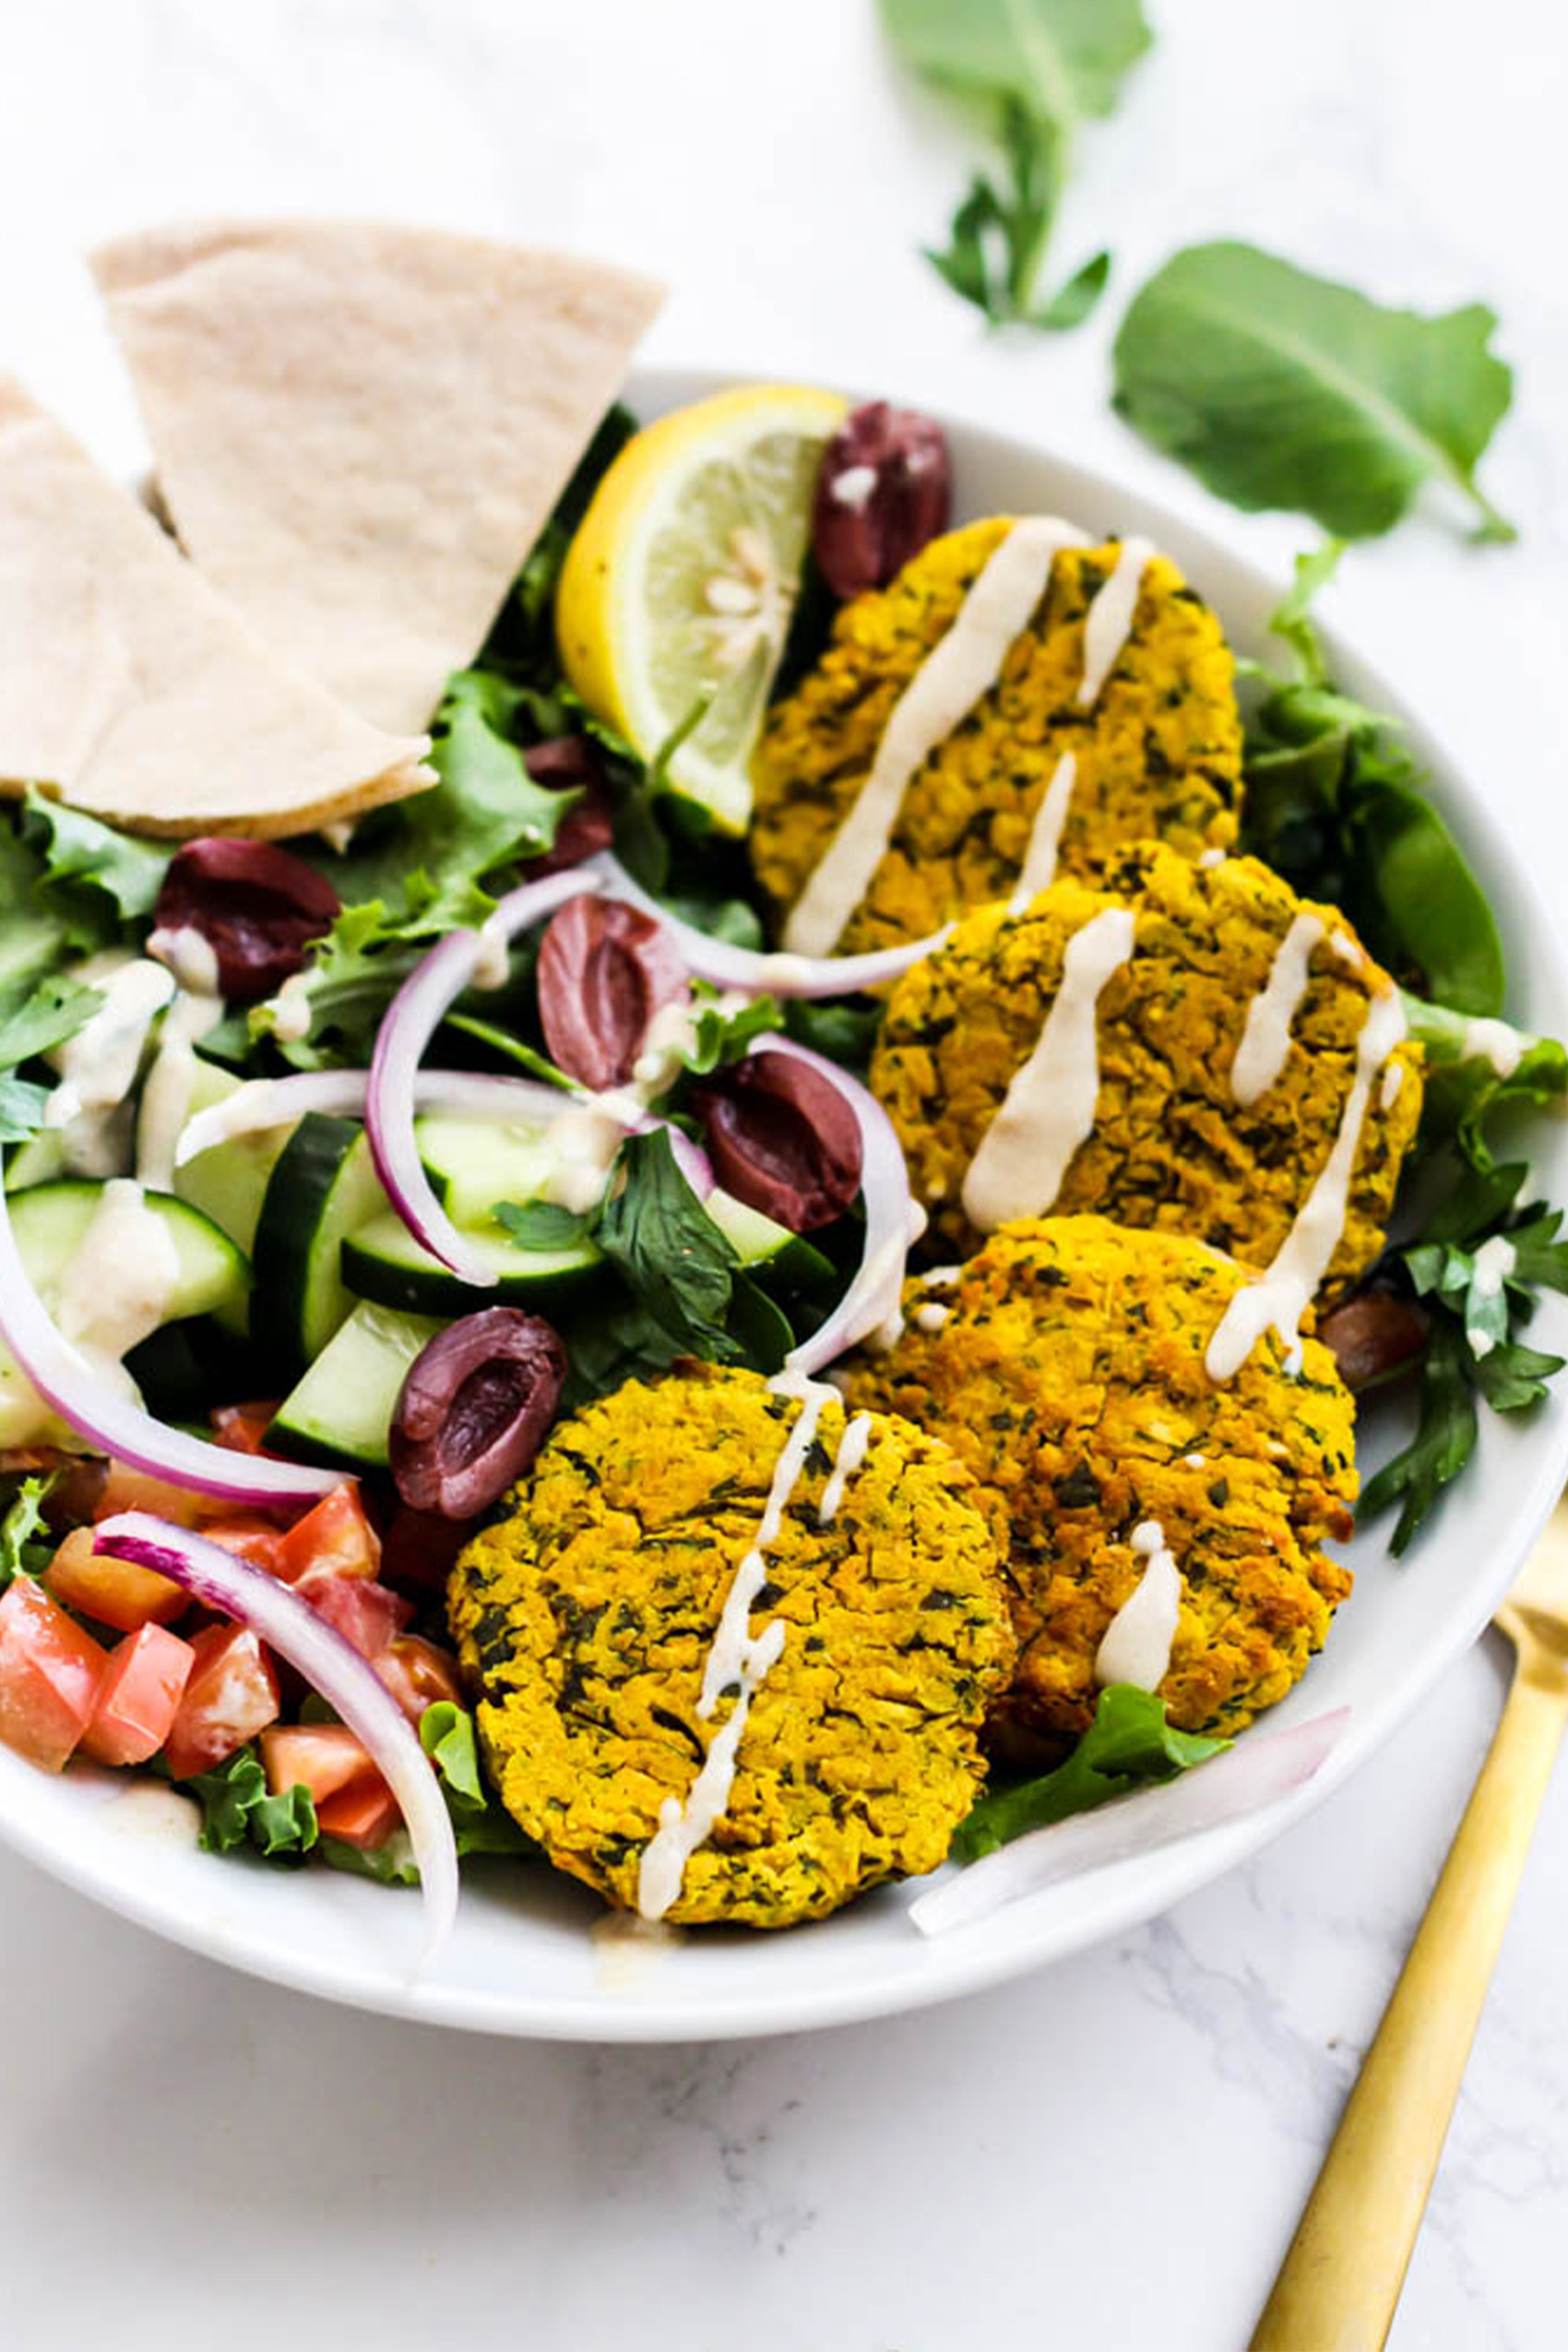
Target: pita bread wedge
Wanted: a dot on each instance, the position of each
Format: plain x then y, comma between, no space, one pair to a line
360,430
128,686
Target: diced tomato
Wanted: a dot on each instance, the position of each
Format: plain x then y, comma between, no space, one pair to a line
334,1536
249,1535
368,1615
128,1489
50,1675
352,1801
117,1592
243,1428
418,1673
232,1694
138,1696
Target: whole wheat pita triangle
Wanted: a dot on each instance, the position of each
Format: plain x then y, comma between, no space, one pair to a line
130,688
360,430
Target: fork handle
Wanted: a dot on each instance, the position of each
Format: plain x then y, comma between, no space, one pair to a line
1341,2281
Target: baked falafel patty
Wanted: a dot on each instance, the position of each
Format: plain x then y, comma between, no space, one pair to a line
586,1616
1159,753
1068,1373
1169,1145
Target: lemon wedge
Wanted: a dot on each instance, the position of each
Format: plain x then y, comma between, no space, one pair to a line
678,588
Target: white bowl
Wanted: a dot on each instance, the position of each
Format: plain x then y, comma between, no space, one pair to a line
524,1959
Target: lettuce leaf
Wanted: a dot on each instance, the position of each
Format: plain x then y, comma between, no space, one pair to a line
26,1543
238,1810
1129,1744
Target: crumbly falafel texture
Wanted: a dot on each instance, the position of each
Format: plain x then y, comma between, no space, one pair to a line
1171,1146
1158,755
585,1616
1068,1373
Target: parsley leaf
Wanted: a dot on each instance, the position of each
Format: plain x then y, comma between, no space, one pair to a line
545,1224
1444,1439
1280,389
26,1543
673,1259
1128,1744
1037,68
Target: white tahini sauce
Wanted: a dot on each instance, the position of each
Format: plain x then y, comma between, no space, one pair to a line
1212,857
1280,1296
931,1316
494,961
1494,1262
958,671
584,1140
852,487
848,1462
1049,1106
119,1280
1135,1646
1393,1079
1346,950
737,1658
290,1010
1495,1042
942,1278
666,1040
170,1082
1039,869
1266,1038
97,1066
1110,621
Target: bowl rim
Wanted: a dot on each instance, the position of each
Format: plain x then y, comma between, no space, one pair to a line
1010,1942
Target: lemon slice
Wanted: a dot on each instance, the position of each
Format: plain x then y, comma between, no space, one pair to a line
678,589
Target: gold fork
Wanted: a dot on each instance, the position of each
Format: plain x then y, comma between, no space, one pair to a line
1340,2282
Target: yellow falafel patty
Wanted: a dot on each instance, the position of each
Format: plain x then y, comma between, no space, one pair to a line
1158,755
1064,1363
1169,1145
585,1618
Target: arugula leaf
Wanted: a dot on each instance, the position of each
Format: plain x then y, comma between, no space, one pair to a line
480,1824
25,1544
1128,1744
545,1224
673,1259
237,1810
1280,389
81,849
1443,1443
1038,68
1333,806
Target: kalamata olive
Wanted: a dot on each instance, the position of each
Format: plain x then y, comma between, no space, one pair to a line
1372,1336
570,763
258,907
882,493
782,1139
604,970
473,1410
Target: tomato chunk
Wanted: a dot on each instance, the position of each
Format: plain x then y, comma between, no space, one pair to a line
117,1592
138,1696
351,1799
367,1614
50,1675
249,1535
243,1428
418,1673
230,1695
128,1489
334,1536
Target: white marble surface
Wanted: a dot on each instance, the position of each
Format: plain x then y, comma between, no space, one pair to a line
1112,2154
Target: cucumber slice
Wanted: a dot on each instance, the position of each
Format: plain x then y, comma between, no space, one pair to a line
323,1186
229,1182
473,1163
49,1222
40,1160
384,1262
767,1248
341,1409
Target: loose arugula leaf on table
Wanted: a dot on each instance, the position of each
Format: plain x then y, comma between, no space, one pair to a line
238,1810
1036,69
1334,804
1280,389
1129,1744
25,1544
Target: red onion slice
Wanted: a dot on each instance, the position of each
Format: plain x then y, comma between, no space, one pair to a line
411,1020
751,970
1263,1767
277,1102
221,1580
112,1424
893,1221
